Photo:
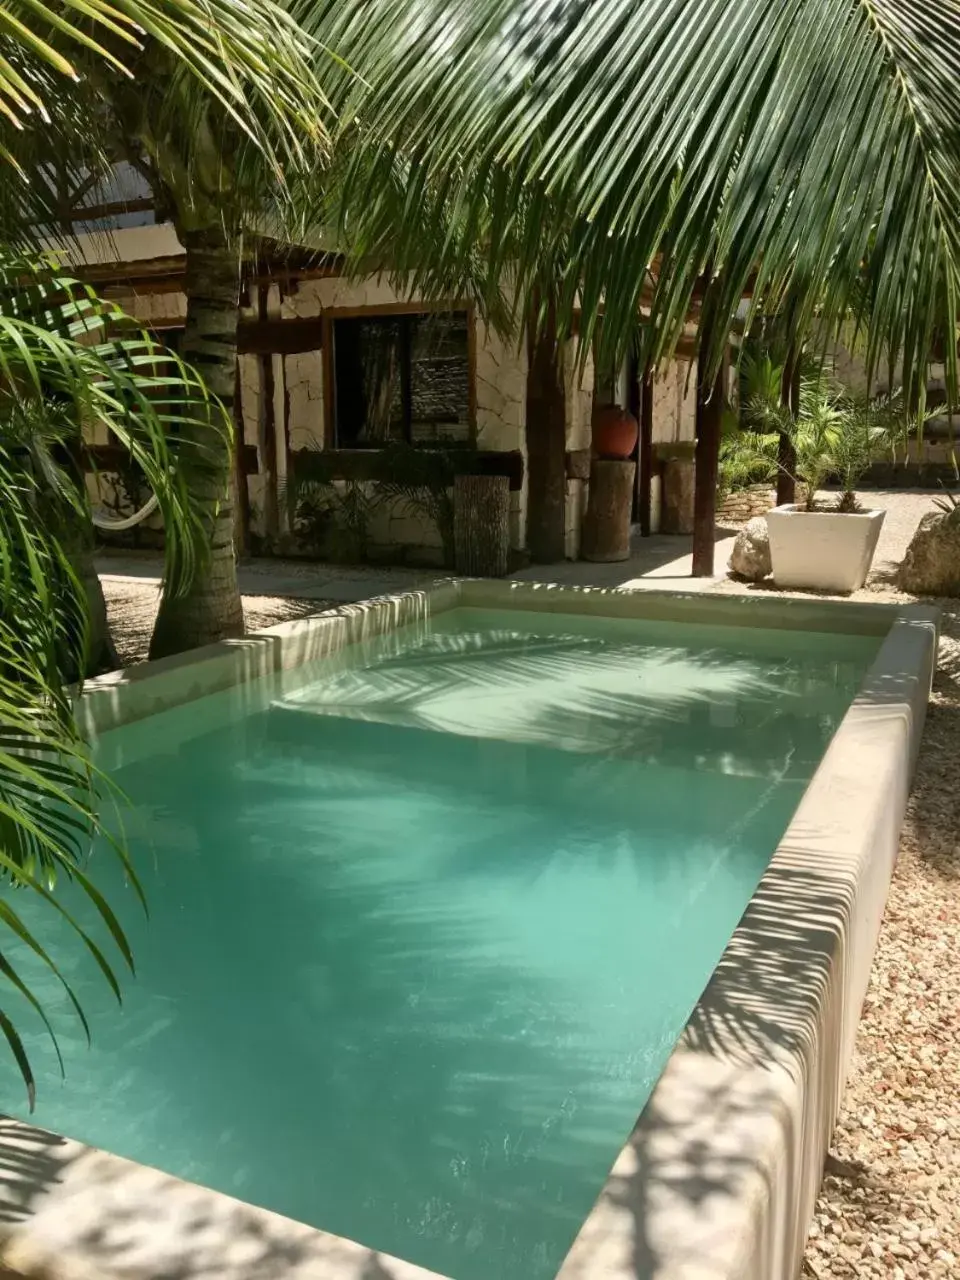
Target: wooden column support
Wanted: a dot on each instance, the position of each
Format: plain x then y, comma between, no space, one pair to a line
268,434
241,535
707,457
786,454
645,457
546,443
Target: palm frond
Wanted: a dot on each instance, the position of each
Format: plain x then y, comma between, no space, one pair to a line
69,359
51,797
644,151
253,61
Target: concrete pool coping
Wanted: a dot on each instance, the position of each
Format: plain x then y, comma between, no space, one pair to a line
719,1177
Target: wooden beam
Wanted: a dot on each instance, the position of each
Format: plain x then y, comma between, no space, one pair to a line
242,527
339,464
472,370
707,461
112,209
280,337
396,309
365,464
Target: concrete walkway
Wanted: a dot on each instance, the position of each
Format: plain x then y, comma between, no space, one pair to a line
659,563
656,563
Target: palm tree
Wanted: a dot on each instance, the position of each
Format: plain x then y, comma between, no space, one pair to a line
223,116
662,151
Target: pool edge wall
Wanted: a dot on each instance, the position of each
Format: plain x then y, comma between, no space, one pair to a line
718,1179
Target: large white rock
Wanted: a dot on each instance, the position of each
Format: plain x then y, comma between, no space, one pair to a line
931,566
750,557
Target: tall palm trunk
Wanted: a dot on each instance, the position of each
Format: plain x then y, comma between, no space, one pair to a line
211,609
101,652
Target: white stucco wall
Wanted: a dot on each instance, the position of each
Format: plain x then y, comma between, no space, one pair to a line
500,396
501,392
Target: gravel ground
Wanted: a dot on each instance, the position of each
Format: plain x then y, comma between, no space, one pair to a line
889,1205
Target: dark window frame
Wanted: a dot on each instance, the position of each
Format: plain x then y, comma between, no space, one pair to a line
404,314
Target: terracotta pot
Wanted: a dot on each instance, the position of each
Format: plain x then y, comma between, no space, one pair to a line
614,432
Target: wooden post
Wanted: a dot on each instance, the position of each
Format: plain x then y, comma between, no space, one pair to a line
268,435
645,458
786,454
707,456
606,526
241,532
481,525
546,432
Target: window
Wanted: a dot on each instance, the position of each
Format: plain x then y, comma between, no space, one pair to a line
403,377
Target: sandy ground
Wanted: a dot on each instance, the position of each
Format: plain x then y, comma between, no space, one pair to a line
132,608
890,1201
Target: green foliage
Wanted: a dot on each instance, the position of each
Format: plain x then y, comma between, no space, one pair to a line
421,480
219,103
835,434
746,458
410,478
51,797
333,518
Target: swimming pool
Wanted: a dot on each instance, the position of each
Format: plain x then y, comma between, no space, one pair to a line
429,915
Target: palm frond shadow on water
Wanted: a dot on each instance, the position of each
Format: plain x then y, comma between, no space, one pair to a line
479,683
371,951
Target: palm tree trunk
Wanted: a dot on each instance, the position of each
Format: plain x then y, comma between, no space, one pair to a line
211,608
101,653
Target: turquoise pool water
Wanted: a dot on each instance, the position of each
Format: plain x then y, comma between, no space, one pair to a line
426,920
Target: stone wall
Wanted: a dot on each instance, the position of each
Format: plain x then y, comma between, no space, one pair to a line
675,402
500,403
744,504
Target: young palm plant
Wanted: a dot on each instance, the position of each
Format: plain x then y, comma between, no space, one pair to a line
834,434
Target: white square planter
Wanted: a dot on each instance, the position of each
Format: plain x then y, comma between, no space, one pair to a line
822,550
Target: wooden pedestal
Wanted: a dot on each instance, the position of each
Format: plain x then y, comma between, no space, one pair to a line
606,526
481,526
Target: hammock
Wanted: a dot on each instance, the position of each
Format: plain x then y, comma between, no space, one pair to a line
110,523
